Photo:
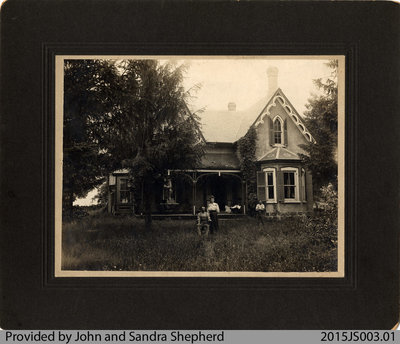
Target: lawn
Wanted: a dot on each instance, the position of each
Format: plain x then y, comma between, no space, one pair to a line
292,244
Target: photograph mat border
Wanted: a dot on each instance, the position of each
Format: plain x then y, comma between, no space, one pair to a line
59,102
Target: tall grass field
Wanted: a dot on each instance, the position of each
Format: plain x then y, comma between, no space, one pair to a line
292,244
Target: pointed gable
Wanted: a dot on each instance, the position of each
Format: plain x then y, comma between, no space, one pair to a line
280,126
279,98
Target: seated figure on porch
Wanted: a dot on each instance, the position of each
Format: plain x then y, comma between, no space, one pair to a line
203,220
236,209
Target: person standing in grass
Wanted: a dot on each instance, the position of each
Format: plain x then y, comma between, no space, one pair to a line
203,220
260,209
213,209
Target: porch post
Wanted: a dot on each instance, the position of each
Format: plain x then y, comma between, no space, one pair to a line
141,200
244,195
194,196
108,195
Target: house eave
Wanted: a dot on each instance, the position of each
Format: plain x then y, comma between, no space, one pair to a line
220,144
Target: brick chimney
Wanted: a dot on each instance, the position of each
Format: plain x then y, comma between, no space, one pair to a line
231,106
272,73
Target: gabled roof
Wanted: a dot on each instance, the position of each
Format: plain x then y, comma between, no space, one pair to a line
220,126
230,126
250,114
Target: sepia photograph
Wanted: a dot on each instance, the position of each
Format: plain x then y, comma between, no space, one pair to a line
206,166
165,166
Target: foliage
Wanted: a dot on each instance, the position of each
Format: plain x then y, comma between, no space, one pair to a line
87,101
102,195
324,224
321,120
130,114
122,243
152,130
246,153
329,197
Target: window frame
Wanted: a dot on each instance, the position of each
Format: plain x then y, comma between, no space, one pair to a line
121,191
296,198
281,122
274,181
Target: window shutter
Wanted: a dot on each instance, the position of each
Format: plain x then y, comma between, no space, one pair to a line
271,131
261,186
285,136
303,185
279,186
309,192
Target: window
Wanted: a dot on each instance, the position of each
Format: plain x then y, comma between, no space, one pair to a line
290,184
270,185
277,131
124,192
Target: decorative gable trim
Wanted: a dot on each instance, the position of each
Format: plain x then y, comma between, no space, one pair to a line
292,113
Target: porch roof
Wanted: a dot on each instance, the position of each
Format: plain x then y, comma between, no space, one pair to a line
221,161
121,171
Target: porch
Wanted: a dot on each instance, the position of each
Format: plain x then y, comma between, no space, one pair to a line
186,191
182,193
221,216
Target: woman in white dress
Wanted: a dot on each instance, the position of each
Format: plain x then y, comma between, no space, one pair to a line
213,209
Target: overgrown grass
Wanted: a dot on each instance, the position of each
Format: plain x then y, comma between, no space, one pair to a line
103,242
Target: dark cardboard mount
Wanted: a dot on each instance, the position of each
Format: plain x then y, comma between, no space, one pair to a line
33,32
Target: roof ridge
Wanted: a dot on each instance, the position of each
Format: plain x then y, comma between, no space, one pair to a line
266,105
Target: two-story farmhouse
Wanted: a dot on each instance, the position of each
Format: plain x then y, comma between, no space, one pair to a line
283,183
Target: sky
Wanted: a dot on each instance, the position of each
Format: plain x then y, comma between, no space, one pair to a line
244,81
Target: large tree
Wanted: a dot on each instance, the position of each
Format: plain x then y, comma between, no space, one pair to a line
89,92
151,129
321,118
